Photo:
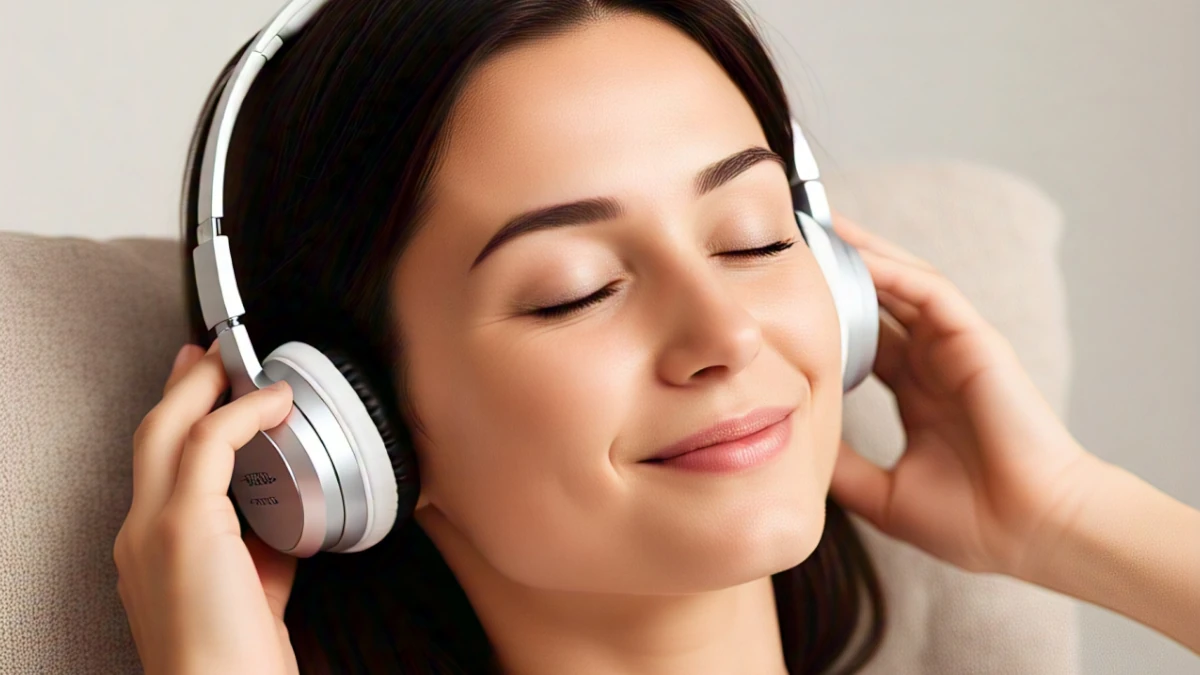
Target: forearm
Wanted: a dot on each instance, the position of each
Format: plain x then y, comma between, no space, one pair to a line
1129,547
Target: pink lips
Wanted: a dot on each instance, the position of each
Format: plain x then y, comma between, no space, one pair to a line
733,444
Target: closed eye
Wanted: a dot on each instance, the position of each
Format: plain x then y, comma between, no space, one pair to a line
574,306
762,251
568,308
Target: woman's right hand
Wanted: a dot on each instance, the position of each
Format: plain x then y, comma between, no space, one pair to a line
199,598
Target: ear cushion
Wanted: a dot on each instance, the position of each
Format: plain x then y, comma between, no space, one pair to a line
395,441
365,436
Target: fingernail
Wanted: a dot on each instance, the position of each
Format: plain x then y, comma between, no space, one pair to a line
278,386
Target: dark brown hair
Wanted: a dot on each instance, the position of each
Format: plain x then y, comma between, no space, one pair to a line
328,171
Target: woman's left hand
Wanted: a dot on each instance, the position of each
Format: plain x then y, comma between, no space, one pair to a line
987,460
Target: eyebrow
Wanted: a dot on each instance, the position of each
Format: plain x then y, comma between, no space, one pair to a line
596,209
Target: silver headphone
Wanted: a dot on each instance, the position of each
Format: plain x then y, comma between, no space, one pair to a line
337,474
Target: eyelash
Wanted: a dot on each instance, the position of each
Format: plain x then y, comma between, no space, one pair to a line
558,311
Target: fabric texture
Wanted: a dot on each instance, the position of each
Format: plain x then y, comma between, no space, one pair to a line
89,329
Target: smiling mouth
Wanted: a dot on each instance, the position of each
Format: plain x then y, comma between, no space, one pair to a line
730,430
735,454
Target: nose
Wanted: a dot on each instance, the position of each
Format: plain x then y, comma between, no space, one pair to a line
709,333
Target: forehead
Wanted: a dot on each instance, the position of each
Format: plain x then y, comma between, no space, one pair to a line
596,111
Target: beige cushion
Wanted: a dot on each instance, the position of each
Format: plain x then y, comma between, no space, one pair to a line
89,329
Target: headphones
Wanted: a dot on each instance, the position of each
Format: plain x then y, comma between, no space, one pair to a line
338,473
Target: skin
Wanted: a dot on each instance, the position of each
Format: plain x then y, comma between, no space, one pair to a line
577,557
572,551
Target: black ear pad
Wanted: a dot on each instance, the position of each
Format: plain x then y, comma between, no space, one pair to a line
395,436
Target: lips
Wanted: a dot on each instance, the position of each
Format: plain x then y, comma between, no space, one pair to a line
723,432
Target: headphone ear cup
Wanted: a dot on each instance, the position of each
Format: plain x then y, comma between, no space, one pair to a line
395,438
862,312
375,469
853,296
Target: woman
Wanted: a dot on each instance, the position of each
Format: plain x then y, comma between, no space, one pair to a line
536,376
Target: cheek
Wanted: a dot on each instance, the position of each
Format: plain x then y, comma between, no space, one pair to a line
801,322
521,430
804,328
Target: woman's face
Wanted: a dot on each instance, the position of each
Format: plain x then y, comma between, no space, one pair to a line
536,427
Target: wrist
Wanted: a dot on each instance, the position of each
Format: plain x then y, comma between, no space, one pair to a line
1044,547
1116,541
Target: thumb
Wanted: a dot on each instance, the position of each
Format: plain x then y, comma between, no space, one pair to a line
861,486
276,572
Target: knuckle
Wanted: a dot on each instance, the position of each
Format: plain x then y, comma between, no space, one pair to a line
202,432
998,341
943,283
124,549
929,267
145,430
170,534
118,551
121,541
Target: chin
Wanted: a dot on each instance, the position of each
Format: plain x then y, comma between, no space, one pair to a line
774,541
754,539
719,532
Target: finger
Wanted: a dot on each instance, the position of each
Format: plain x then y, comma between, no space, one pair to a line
132,616
891,356
187,356
904,312
862,239
941,307
861,486
159,440
206,464
276,572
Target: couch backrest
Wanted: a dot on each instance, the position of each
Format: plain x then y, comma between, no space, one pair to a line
88,330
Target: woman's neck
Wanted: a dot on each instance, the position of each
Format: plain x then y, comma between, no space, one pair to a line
734,630
538,632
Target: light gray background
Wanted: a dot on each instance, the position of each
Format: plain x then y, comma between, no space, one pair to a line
1096,102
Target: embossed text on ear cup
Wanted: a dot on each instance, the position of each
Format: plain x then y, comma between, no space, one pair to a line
287,493
328,441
